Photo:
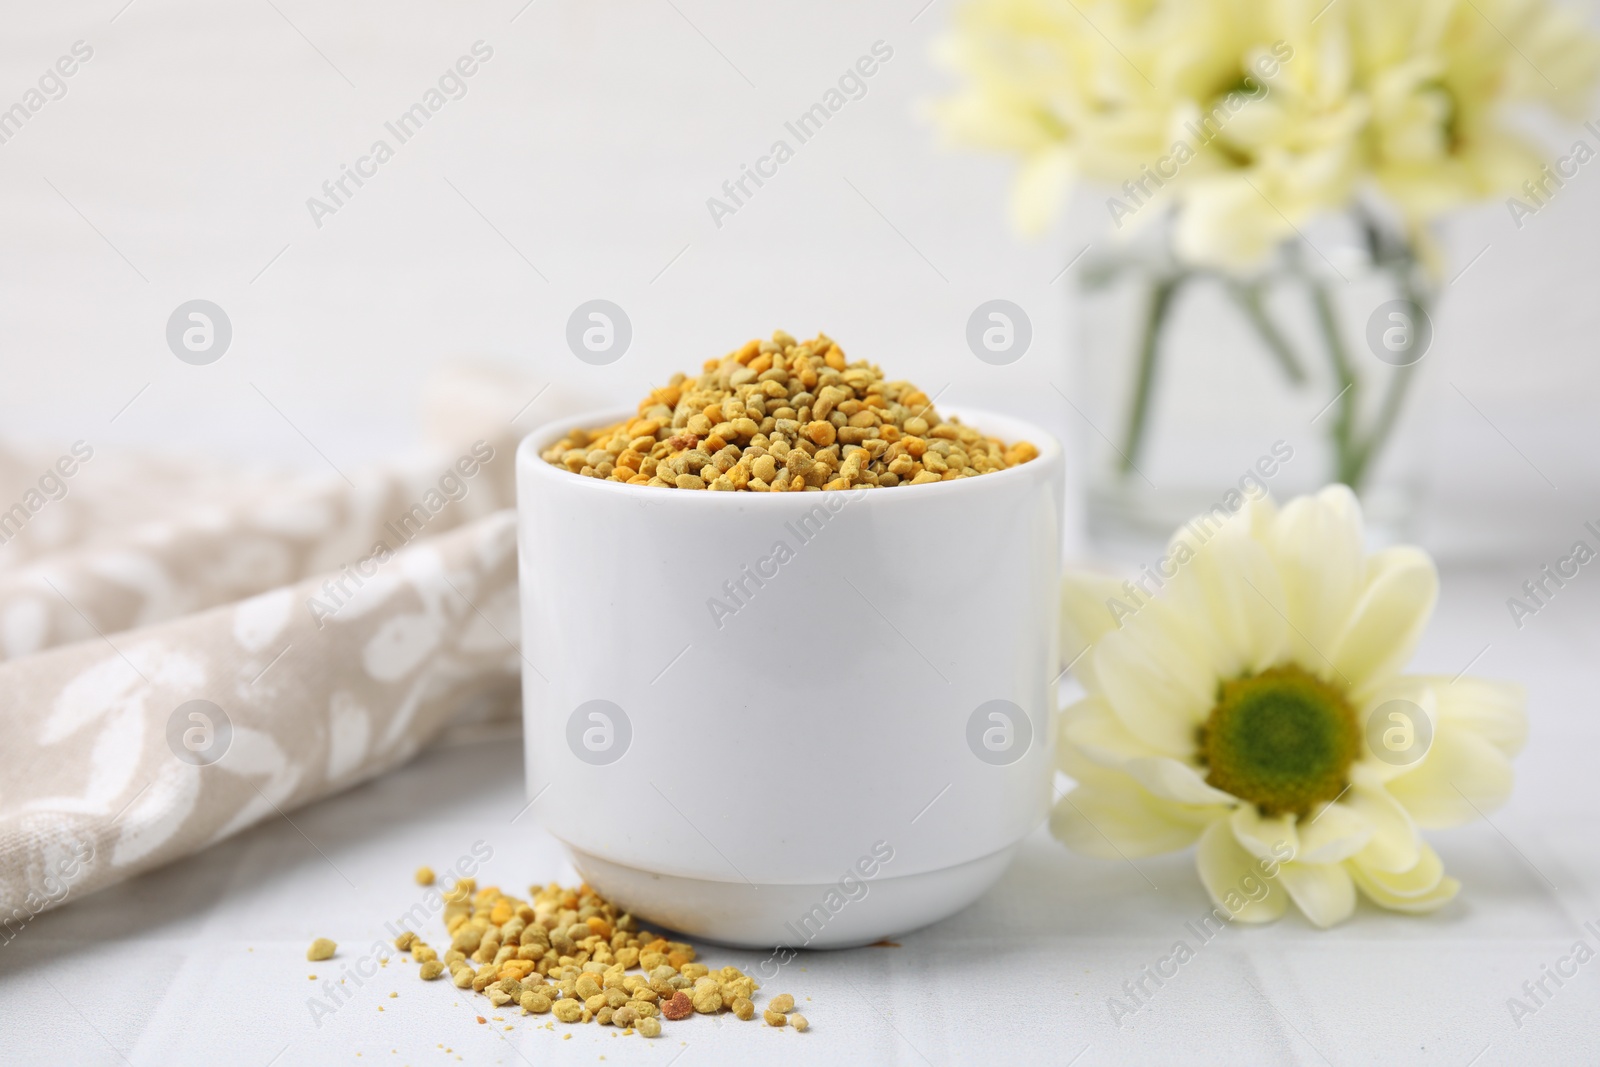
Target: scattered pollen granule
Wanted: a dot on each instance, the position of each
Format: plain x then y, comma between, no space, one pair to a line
321,949
424,875
572,954
785,416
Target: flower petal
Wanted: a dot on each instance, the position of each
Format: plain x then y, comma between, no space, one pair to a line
1394,843
1462,778
1388,618
1267,839
1232,584
1398,719
1424,887
1335,833
1154,673
1083,770
1417,880
1085,612
1316,543
1496,711
1225,221
1121,822
1041,184
1259,514
1092,728
1174,780
1323,891
1232,876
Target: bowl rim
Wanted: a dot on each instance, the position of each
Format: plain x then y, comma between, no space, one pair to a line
1008,428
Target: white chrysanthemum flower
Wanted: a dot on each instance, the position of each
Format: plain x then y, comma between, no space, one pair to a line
1254,704
1282,108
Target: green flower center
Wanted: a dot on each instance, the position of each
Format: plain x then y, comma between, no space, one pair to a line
1282,740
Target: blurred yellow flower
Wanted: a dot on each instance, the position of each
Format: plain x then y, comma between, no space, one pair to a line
1254,705
1251,116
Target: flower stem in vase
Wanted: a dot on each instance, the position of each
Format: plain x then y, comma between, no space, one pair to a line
1144,385
1248,297
1399,381
1349,463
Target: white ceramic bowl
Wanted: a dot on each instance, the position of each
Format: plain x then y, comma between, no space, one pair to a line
850,746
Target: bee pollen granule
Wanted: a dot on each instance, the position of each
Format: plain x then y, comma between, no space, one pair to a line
572,953
785,416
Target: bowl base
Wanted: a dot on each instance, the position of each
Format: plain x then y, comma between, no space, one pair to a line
768,916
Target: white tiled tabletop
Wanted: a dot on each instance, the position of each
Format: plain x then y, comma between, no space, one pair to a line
204,962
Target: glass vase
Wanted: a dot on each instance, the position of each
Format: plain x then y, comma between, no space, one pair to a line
1203,388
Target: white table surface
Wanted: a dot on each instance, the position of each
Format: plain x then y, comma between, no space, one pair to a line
204,961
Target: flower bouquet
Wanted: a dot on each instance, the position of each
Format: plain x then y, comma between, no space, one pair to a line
1274,173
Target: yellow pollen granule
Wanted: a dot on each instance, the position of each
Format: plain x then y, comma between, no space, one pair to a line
785,416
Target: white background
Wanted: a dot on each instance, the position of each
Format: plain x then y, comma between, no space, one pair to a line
589,144
577,166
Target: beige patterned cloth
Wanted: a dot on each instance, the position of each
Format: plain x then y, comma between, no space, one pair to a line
186,650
